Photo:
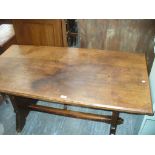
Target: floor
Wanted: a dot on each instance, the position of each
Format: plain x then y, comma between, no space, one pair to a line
47,124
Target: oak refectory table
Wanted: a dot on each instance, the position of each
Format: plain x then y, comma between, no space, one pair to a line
98,79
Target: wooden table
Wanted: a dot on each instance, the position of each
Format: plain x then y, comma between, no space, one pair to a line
98,79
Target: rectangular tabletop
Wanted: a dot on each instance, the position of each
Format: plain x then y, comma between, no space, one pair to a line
100,79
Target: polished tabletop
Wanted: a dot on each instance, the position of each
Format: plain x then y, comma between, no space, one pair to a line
99,79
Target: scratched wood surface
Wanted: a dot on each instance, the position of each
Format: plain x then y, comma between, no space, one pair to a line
119,34
92,78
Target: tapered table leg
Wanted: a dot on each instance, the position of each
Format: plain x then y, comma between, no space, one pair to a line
20,105
115,116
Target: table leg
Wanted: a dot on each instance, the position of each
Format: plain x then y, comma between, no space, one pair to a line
20,105
114,120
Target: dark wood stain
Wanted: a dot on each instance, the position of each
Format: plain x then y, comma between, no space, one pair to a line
108,80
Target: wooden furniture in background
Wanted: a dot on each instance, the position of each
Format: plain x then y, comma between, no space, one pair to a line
105,80
119,35
40,32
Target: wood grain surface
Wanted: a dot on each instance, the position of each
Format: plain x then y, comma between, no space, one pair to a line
45,32
135,35
92,78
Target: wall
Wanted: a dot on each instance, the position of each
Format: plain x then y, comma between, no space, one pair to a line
121,35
